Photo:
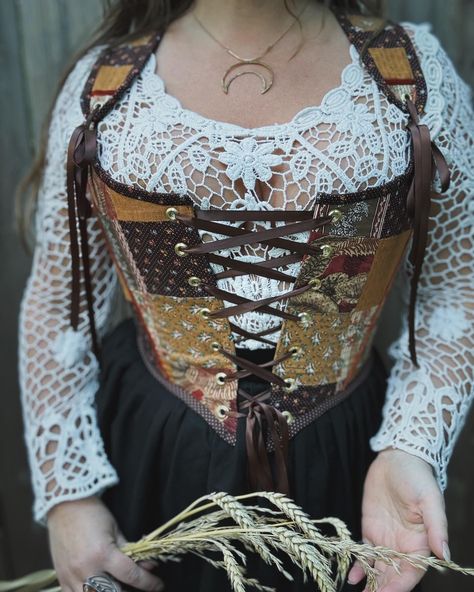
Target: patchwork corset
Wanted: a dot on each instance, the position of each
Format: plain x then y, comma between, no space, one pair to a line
186,333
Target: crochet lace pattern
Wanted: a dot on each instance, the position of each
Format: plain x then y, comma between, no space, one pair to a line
353,140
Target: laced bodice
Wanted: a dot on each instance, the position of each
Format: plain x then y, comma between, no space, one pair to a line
336,146
353,140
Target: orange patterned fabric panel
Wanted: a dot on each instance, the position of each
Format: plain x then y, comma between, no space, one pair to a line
128,209
183,341
109,79
393,64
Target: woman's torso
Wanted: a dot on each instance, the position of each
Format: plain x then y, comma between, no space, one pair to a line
333,131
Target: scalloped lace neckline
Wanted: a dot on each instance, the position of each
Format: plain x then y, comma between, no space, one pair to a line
298,120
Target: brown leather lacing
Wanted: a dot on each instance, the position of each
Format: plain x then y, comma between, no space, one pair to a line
260,414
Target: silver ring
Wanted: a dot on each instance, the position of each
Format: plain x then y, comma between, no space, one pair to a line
101,583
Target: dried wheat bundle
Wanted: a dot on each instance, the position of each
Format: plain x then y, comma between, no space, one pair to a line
212,526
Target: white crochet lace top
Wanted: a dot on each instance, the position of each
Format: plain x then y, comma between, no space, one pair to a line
354,139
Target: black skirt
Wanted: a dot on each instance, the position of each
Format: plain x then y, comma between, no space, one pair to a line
166,456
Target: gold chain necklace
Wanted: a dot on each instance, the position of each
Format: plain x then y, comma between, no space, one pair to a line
256,61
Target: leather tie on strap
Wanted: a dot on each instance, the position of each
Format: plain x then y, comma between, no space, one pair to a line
428,160
81,153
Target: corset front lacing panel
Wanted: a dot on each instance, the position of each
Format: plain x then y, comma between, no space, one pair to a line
262,418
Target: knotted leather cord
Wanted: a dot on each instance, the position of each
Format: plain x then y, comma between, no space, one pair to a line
261,416
428,160
259,470
81,153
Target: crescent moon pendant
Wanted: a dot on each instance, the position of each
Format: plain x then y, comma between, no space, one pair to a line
266,82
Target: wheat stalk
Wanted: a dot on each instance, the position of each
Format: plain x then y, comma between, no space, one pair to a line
217,522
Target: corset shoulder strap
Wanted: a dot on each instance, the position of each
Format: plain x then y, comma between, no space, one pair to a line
390,57
113,72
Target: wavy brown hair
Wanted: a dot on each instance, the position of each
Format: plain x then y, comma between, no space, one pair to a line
126,20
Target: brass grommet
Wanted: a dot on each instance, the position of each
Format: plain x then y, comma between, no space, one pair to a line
304,316
220,378
178,249
336,215
295,351
326,250
194,281
315,283
171,213
288,416
291,385
215,346
204,312
222,411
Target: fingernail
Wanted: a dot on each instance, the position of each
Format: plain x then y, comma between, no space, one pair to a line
446,552
351,580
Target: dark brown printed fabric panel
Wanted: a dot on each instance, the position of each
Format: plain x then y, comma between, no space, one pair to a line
302,400
391,215
377,212
152,245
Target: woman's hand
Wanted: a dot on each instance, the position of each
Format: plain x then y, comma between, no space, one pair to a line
84,541
403,508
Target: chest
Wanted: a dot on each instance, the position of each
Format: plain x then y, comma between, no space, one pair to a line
355,139
193,72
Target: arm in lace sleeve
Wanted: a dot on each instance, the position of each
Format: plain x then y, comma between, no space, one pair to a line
426,408
57,370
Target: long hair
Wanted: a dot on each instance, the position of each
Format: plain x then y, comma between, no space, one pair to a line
123,21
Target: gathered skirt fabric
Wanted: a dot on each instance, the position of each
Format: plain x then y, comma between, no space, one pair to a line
166,456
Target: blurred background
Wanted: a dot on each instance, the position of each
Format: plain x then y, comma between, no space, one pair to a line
36,39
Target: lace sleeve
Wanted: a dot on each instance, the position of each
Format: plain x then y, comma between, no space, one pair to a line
426,408
57,370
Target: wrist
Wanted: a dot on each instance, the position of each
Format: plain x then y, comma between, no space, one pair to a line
66,506
391,452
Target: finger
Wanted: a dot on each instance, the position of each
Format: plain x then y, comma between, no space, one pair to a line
436,524
391,581
356,573
130,573
71,585
148,564
120,540
68,582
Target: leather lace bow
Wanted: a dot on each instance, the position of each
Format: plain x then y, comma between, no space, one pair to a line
263,418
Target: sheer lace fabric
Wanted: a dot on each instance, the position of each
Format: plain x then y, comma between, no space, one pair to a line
353,140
